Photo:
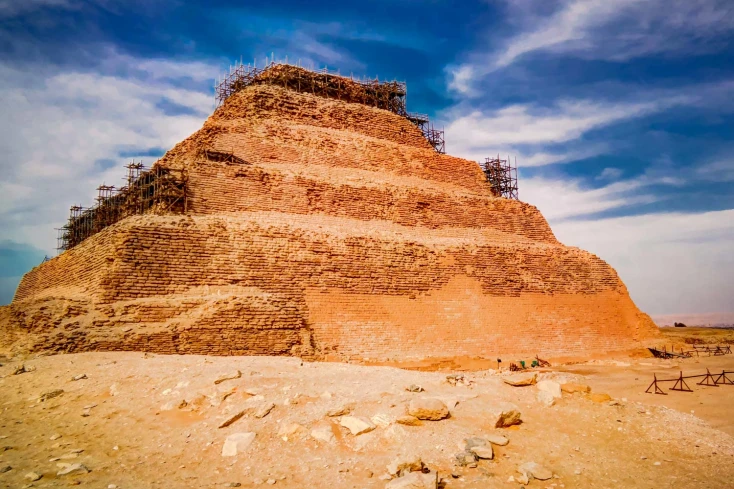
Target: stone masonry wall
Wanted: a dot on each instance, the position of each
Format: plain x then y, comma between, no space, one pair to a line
185,285
338,232
217,188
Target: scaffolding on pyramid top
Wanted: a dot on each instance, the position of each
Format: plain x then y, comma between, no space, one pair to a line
373,92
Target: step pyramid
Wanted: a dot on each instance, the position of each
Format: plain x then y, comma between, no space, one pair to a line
318,225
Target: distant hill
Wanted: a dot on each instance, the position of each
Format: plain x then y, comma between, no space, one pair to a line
713,320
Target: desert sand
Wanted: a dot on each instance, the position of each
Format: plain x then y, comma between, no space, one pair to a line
138,420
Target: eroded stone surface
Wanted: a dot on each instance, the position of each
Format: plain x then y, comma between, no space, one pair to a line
340,230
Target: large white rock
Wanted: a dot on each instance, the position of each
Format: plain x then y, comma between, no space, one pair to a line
237,442
553,388
483,451
428,408
357,424
546,398
323,433
414,480
405,463
533,470
503,414
289,429
521,380
498,440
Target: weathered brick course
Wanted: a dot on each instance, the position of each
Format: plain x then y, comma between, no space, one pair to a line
339,232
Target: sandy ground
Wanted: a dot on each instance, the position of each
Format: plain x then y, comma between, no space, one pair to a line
630,379
145,421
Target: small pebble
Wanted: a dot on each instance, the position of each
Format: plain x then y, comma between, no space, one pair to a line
32,476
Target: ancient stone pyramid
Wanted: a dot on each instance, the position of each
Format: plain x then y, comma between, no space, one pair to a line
324,228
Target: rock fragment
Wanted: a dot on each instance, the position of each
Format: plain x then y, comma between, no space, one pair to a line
289,429
50,394
470,443
383,420
233,419
404,464
237,442
546,398
231,376
409,420
357,425
498,440
264,410
414,480
600,397
503,414
521,380
428,408
22,369
533,470
340,411
79,377
466,459
571,388
6,468
458,379
552,388
483,451
73,469
414,388
33,476
323,433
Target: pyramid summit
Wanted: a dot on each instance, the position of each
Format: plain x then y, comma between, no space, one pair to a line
312,215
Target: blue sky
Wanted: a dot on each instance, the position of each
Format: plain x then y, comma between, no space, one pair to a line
620,114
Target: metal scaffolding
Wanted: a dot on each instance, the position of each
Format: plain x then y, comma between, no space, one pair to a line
502,177
387,95
155,190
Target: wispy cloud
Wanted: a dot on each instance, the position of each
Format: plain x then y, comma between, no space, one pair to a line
599,29
610,174
567,29
564,198
56,130
505,130
717,171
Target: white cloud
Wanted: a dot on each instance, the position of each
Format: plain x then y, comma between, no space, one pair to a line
541,158
54,132
717,171
461,78
477,134
616,30
571,24
610,174
670,262
565,198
